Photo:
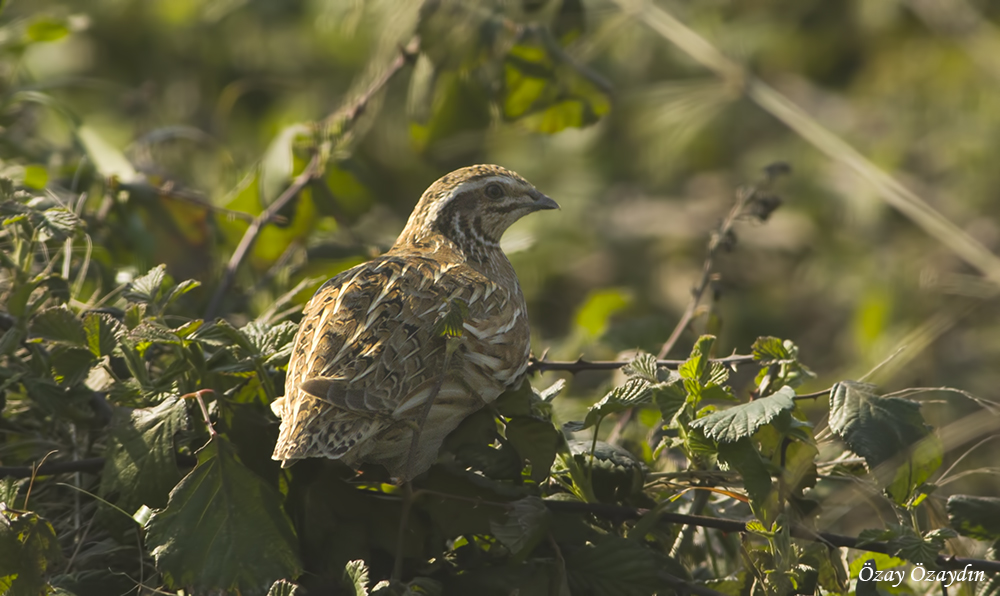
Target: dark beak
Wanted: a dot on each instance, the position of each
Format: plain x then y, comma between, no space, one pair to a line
542,201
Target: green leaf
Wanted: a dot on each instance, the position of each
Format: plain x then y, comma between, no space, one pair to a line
614,567
524,526
737,422
108,160
287,588
36,176
355,578
278,163
45,29
59,324
71,364
103,333
975,517
140,465
147,288
58,223
223,528
889,433
598,308
535,441
742,456
634,392
29,550
770,350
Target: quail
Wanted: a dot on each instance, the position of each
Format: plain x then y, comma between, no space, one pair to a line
394,353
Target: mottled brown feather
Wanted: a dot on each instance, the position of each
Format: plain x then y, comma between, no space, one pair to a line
369,352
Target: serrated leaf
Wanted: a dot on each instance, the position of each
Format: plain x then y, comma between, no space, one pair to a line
889,433
768,350
103,333
146,289
355,577
29,550
140,466
58,223
737,422
643,366
59,324
535,441
975,517
635,392
223,528
614,567
525,524
287,588
71,364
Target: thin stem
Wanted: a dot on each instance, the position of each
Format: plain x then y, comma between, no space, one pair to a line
580,365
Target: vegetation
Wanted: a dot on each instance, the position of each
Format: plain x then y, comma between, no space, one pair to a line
750,414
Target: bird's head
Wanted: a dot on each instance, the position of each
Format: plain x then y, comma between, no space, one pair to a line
473,207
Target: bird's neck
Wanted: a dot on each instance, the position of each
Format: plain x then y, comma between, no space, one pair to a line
486,258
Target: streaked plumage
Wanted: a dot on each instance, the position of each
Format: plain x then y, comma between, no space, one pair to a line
370,351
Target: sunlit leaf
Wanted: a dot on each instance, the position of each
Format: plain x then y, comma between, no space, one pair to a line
47,29
102,332
355,577
732,424
108,160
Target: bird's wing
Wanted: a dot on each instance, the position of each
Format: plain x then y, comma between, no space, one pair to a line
369,350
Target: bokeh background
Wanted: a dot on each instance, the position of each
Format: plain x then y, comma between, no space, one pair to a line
211,104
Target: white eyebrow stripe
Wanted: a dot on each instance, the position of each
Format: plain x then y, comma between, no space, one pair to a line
464,187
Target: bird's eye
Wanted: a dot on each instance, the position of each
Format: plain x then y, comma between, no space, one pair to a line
494,191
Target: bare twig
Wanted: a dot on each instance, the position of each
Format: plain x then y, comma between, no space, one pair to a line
346,117
580,365
720,237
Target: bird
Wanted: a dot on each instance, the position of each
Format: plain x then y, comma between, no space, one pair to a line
391,355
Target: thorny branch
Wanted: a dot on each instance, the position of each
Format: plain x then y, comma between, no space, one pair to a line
346,118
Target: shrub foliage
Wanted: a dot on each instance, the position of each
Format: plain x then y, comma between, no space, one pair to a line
136,433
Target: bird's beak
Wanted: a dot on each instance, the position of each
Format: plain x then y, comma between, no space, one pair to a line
542,201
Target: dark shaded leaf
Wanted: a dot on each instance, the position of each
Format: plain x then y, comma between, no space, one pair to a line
223,528
29,550
737,422
535,441
889,433
614,567
975,517
742,456
59,324
524,525
140,466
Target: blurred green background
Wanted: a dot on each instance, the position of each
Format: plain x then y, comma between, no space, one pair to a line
206,100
